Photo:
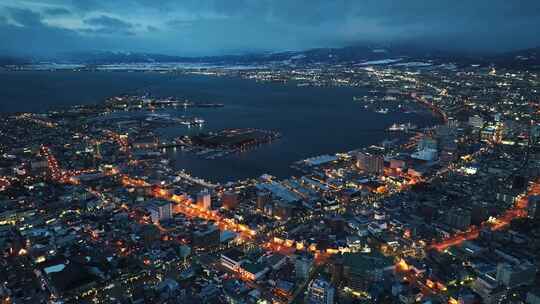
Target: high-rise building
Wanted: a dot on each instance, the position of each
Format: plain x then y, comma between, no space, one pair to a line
427,143
426,154
452,122
535,135
397,164
320,292
282,210
263,198
229,199
534,208
370,163
458,218
204,200
479,213
97,150
302,266
476,122
336,269
160,211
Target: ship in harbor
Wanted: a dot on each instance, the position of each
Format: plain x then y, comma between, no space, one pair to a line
403,127
192,121
168,119
171,101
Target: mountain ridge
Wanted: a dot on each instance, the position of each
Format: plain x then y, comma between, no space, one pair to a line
527,58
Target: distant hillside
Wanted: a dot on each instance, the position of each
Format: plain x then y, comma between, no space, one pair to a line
523,59
325,55
12,60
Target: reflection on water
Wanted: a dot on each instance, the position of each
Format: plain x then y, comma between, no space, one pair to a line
312,121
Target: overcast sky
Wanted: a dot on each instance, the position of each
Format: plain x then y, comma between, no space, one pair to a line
208,27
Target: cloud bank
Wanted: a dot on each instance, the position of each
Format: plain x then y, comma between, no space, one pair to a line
210,27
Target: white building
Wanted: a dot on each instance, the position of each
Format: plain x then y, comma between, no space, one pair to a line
320,292
476,122
426,154
160,211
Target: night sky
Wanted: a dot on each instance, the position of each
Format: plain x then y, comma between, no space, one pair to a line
213,27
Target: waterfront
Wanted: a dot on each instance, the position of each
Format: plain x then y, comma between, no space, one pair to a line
309,118
97,166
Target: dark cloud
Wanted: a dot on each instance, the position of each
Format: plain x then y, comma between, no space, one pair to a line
37,39
109,22
88,5
179,23
105,25
152,28
215,26
56,11
24,17
31,36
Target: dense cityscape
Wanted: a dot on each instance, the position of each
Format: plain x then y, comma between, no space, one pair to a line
92,212
269,152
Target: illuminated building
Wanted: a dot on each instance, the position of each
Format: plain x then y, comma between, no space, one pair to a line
320,292
370,163
427,143
282,210
534,208
39,165
506,196
204,200
145,143
263,198
448,152
409,294
302,266
284,288
425,154
235,260
232,259
535,135
489,289
230,199
66,279
252,271
397,163
476,122
160,211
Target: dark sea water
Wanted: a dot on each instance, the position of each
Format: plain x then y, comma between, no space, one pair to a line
312,121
